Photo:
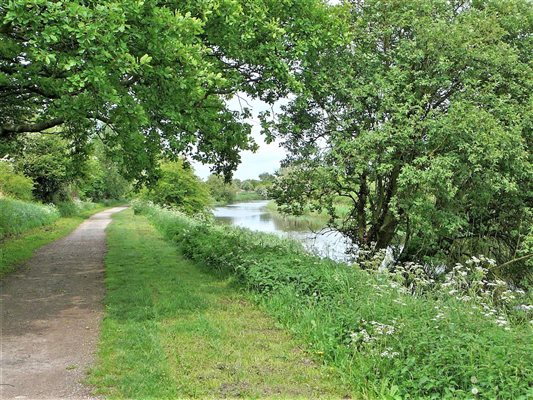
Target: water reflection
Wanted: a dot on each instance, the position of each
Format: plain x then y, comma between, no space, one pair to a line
254,215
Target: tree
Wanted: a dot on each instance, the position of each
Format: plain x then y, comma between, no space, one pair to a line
48,161
422,118
14,184
148,76
101,177
266,178
179,187
221,191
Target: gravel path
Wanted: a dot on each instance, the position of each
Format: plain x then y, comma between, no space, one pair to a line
50,316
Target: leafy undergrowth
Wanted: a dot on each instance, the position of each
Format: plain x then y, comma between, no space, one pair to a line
384,342
36,231
173,331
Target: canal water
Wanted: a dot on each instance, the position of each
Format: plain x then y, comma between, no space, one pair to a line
255,216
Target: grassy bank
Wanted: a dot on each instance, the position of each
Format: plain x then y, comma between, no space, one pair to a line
17,216
172,330
310,219
30,230
248,196
384,341
315,220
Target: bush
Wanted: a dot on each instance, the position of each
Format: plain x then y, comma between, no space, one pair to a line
17,216
74,208
13,184
48,160
179,187
384,341
221,191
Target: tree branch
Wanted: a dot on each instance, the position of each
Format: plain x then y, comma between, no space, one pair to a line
10,130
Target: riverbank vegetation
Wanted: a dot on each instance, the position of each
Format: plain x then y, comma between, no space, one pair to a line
315,219
387,333
420,120
174,330
236,190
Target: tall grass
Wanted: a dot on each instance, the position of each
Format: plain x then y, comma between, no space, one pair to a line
384,342
18,240
17,216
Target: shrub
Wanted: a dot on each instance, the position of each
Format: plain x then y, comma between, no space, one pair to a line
48,160
178,186
385,341
17,216
74,207
13,184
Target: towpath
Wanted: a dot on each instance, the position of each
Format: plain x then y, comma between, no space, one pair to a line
50,316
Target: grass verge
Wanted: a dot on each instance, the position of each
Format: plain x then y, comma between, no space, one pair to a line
17,216
385,342
15,250
173,331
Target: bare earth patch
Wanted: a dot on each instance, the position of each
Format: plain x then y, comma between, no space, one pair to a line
50,316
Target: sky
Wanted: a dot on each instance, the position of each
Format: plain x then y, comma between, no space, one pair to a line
266,159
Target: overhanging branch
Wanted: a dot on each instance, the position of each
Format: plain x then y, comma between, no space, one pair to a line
11,129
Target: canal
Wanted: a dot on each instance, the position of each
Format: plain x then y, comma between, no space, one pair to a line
255,216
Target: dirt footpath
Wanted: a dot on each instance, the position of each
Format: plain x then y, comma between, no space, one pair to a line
50,316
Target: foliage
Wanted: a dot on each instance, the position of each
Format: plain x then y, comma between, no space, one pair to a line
244,195
221,191
178,186
102,177
420,115
48,160
17,216
255,189
74,207
385,342
14,184
148,76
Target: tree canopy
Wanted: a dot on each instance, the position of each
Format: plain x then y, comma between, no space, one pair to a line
422,117
179,187
148,76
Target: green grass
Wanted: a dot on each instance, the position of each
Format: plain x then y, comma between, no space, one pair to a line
172,330
248,196
384,342
14,250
